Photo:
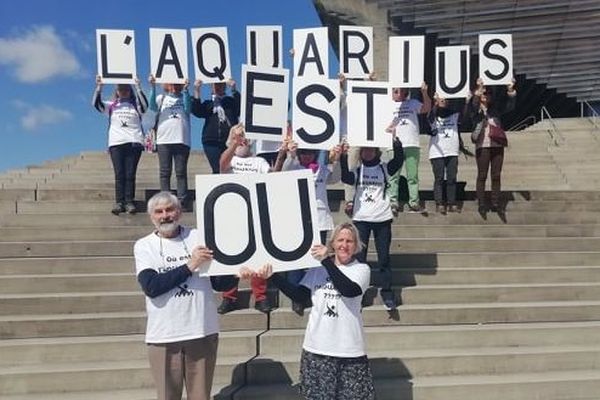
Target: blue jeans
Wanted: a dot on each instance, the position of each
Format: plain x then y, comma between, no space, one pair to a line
125,158
213,154
382,232
178,154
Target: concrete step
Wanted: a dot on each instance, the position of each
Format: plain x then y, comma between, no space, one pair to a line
116,323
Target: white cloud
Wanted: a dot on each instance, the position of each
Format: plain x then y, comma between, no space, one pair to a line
38,55
36,117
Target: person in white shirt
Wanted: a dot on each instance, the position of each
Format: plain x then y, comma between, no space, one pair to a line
182,327
334,363
444,147
173,135
125,138
405,124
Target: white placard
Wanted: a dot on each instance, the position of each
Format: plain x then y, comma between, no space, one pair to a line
264,46
406,63
452,71
356,51
496,59
211,54
168,55
370,111
311,53
316,113
253,219
265,95
115,51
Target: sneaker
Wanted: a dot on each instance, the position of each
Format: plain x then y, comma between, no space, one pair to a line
263,306
416,209
227,305
453,209
130,208
298,308
118,209
395,208
389,301
440,209
349,209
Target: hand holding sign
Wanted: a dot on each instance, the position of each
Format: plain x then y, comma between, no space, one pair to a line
199,255
319,252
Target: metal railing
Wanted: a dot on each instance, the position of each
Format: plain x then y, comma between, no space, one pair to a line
555,135
523,123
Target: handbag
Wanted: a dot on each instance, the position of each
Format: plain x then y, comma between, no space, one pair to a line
498,135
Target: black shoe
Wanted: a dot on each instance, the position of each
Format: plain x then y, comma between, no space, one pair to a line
417,209
263,306
118,209
389,300
227,305
453,209
130,208
298,308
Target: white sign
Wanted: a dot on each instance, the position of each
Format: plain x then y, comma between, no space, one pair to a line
264,46
452,71
370,111
406,63
316,113
311,53
211,54
116,55
356,51
496,59
253,219
265,95
168,55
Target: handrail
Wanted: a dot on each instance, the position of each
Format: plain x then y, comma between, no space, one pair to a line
553,132
595,115
523,124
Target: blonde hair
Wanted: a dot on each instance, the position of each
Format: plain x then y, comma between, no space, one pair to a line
349,226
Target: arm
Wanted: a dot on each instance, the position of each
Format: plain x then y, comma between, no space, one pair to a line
343,284
154,284
298,293
511,98
236,135
426,107
140,97
396,162
281,158
97,96
187,100
347,176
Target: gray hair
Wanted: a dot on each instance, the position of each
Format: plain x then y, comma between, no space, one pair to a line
349,226
163,198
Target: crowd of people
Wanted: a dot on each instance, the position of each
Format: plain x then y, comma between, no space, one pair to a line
182,328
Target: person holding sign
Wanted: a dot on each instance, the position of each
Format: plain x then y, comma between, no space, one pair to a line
485,111
405,125
238,159
372,211
334,364
220,113
183,325
173,135
125,138
444,146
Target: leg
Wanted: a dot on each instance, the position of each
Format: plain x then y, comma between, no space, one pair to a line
437,165
482,157
451,172
497,159
383,238
200,357
131,162
393,188
411,161
181,156
318,376
355,380
117,156
165,165
364,231
213,155
166,365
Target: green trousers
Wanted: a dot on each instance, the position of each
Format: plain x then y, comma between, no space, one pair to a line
411,165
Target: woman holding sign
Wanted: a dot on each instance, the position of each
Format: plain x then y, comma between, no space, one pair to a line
334,364
125,138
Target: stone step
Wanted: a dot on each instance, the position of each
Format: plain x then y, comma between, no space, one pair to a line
116,323
219,392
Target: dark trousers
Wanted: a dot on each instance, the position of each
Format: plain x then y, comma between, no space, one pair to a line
213,155
382,232
490,158
178,154
125,158
448,167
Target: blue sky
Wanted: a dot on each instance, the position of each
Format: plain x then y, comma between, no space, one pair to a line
48,62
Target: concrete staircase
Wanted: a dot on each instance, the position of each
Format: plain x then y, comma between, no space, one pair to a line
506,307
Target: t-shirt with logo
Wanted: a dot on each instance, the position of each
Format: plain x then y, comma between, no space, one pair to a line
125,123
173,122
406,118
249,165
187,311
371,204
335,324
446,142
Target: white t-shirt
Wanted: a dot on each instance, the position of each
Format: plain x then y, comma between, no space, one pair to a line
174,122
371,204
125,123
335,325
446,142
187,311
406,113
249,165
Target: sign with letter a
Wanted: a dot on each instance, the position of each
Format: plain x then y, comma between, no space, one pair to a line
168,55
